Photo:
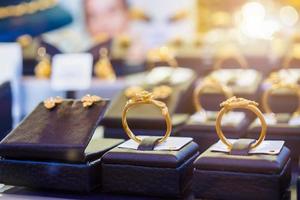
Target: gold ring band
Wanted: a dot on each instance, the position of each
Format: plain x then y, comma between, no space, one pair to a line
281,85
209,82
240,60
234,103
161,54
294,54
146,98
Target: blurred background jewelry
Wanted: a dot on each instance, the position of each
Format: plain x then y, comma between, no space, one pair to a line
26,8
209,83
103,68
162,92
132,91
161,55
295,88
43,68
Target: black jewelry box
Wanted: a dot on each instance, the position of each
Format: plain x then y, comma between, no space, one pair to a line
144,171
211,99
54,148
243,175
281,130
285,97
203,132
6,109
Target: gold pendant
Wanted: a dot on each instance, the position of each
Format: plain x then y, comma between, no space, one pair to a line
103,68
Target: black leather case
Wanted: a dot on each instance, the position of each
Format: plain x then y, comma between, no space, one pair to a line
277,101
225,176
204,134
166,173
54,149
281,131
210,101
6,109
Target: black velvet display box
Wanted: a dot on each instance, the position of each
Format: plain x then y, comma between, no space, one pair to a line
210,100
54,149
277,100
146,119
204,133
226,176
281,131
5,109
161,173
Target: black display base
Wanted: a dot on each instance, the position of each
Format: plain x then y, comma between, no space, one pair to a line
80,178
149,181
236,185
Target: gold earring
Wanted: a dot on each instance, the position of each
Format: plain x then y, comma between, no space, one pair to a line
89,100
103,68
43,68
52,102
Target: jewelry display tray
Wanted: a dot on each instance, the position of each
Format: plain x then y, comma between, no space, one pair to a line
54,149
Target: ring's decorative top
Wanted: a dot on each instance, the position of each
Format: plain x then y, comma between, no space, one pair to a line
237,102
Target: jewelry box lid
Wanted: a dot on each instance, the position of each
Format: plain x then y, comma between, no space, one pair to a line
61,133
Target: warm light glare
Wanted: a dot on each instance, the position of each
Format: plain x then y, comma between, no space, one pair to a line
254,23
288,15
253,12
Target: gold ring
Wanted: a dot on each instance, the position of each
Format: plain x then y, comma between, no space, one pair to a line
234,103
162,92
294,54
213,83
162,54
145,97
280,85
239,58
132,91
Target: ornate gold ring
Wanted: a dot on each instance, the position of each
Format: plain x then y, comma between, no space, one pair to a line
145,97
234,103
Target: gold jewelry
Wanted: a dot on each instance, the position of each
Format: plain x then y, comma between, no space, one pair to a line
213,83
273,78
26,8
230,54
52,102
162,92
132,91
162,54
89,100
145,97
43,68
138,14
179,15
234,103
24,40
123,41
103,68
280,85
294,54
